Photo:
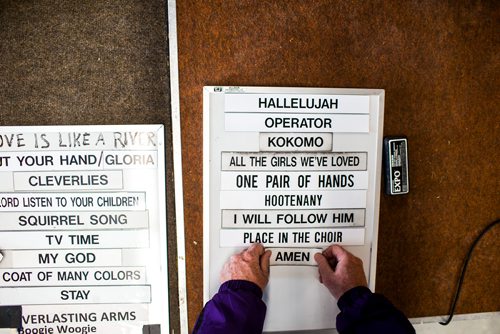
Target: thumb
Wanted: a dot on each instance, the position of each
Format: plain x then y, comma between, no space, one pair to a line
264,262
323,266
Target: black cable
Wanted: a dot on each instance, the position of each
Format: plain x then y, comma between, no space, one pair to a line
464,268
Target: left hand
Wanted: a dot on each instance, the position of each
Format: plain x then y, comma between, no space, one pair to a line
252,265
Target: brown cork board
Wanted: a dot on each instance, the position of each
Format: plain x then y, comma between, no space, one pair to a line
438,63
89,62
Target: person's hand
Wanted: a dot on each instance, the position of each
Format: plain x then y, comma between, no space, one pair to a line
252,265
339,270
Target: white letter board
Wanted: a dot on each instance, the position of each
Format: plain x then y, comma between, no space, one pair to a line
296,169
83,228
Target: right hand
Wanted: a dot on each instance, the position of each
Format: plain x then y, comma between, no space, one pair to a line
339,270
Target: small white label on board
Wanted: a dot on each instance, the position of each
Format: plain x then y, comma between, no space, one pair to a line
292,218
53,181
292,237
83,201
73,276
65,240
76,295
294,180
246,122
292,200
293,256
69,220
297,142
292,103
62,258
287,161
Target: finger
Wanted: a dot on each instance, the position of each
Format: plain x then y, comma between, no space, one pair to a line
256,250
243,251
323,266
265,261
335,251
253,253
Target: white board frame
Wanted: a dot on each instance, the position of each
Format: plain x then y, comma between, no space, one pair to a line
368,252
162,289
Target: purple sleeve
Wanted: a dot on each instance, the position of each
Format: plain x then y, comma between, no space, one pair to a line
236,308
362,311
